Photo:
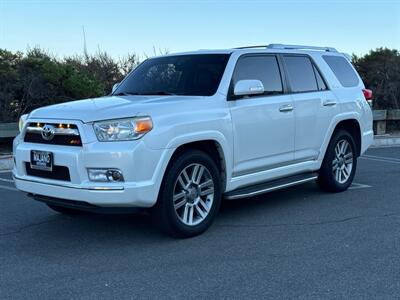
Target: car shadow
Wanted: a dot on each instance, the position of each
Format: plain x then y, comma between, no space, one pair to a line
139,228
277,199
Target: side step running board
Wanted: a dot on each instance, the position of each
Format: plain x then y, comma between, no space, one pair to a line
261,188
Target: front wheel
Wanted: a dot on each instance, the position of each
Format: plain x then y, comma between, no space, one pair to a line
340,162
190,195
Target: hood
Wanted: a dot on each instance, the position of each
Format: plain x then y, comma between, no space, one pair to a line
105,108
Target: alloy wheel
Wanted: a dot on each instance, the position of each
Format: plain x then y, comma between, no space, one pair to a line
193,194
342,163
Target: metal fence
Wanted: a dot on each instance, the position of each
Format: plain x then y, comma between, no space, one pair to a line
381,117
8,130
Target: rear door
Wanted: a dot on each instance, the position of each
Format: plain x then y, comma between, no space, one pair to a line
263,125
314,105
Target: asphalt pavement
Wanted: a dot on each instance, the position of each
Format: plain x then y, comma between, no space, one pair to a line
294,243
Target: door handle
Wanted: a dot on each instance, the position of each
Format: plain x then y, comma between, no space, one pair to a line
286,108
329,103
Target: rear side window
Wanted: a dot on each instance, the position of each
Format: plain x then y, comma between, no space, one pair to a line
320,81
342,70
263,68
301,74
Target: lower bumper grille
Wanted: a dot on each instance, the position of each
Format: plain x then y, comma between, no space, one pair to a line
58,173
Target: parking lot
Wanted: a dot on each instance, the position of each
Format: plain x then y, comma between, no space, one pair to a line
298,242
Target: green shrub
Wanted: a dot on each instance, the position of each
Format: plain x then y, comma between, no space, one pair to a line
380,71
36,79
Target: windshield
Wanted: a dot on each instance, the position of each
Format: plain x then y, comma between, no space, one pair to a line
195,75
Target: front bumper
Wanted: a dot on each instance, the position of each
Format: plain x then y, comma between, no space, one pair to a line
129,194
85,206
142,168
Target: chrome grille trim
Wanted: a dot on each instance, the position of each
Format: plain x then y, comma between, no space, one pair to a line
64,133
57,131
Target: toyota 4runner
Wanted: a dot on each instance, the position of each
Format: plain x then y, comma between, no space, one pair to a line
183,131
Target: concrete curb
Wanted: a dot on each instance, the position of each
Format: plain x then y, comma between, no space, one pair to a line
6,162
386,141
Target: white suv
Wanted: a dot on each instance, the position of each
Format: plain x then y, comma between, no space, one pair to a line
183,131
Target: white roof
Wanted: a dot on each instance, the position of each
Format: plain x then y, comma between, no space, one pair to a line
275,48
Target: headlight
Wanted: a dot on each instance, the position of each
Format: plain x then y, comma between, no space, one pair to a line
122,129
22,121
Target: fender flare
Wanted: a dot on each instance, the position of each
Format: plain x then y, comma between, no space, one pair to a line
181,140
335,121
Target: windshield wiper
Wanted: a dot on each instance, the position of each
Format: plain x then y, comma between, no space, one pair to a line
159,93
162,93
125,94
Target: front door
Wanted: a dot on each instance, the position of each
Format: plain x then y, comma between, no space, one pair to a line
263,125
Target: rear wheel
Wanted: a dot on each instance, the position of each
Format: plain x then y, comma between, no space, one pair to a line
340,162
190,195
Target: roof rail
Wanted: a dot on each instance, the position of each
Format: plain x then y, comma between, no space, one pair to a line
300,47
248,47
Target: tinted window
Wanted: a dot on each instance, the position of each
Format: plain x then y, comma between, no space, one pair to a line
342,70
320,81
300,74
197,75
263,68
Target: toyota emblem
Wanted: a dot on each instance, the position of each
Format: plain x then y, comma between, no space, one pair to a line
48,132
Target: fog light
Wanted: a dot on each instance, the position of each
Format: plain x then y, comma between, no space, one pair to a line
105,175
115,175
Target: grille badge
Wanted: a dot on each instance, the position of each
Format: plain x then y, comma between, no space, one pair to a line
48,132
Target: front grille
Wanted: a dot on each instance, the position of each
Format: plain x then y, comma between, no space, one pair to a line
58,172
64,134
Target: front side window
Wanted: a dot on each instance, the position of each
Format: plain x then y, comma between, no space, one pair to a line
263,68
194,75
300,71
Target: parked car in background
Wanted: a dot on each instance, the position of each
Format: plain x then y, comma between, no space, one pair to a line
182,131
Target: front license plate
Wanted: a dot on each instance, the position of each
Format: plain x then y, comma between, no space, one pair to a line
41,160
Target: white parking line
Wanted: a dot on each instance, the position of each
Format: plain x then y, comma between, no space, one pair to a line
355,186
381,159
6,180
9,188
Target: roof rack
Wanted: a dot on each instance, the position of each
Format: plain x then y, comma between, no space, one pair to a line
300,47
283,46
248,47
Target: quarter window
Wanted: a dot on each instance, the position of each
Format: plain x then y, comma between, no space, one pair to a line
342,70
263,68
300,72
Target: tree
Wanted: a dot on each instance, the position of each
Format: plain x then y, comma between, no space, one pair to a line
35,79
380,71
10,87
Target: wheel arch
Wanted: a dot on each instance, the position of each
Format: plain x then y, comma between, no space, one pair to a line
353,127
349,122
209,146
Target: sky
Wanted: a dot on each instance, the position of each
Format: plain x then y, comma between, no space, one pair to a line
120,27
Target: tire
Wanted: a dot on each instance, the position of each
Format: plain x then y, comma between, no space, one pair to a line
187,205
64,210
339,164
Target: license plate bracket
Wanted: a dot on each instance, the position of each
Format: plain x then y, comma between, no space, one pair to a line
42,160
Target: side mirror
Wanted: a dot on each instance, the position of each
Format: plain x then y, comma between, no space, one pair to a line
248,87
115,86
